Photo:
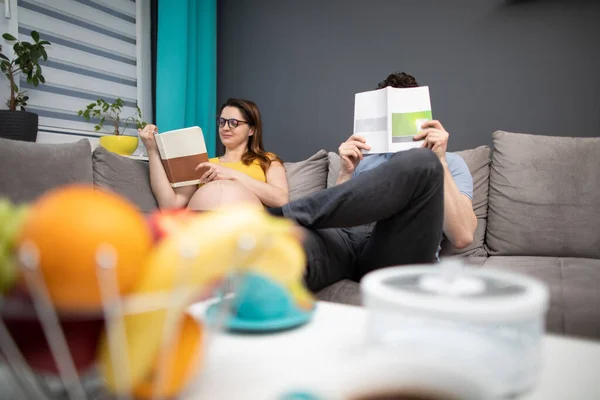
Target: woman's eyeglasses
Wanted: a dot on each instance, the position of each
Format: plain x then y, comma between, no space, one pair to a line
233,123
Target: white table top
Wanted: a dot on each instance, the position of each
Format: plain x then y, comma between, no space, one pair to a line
243,366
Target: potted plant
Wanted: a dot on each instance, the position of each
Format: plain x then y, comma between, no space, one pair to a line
101,111
16,123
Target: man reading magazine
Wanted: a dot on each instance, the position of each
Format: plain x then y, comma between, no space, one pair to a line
388,209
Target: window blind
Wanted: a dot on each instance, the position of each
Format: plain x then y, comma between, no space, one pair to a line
93,54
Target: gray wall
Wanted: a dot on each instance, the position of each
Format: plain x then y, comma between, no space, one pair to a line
523,66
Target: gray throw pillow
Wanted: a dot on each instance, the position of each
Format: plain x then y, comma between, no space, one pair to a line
28,170
544,196
334,168
307,176
478,160
127,177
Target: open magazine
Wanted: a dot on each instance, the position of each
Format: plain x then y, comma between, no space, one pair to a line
390,118
181,150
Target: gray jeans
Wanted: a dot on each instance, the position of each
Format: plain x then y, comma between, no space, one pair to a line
390,215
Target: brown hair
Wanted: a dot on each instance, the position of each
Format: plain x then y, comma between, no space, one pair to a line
255,149
398,80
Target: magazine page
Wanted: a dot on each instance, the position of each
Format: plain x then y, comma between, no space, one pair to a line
370,119
409,108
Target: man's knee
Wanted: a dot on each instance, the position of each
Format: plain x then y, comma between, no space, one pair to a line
422,161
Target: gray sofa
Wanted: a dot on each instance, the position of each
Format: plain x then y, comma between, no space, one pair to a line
537,201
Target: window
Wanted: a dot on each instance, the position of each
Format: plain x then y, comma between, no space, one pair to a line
99,48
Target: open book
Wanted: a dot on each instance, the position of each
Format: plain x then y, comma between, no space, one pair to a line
181,150
390,118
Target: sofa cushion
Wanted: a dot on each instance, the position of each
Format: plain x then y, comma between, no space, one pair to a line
344,292
307,176
30,169
334,168
478,160
544,196
124,176
573,284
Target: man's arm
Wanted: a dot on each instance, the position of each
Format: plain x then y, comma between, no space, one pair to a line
459,219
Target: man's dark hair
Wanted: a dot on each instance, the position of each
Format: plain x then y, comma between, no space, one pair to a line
398,80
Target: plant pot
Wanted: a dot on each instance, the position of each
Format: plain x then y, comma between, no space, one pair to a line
18,125
123,145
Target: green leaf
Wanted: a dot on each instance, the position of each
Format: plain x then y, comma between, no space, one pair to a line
8,36
97,127
44,54
25,98
2,56
35,81
44,42
79,113
42,79
35,36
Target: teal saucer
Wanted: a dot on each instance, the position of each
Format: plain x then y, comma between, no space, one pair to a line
293,318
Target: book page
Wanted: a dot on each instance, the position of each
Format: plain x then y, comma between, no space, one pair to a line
409,108
370,119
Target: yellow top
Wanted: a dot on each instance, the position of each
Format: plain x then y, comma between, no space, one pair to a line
253,170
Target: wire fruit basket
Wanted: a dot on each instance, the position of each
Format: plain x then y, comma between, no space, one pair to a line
146,345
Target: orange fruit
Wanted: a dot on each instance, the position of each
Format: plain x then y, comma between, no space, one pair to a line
68,226
179,365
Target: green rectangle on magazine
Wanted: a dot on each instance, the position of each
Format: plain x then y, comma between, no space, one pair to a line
409,124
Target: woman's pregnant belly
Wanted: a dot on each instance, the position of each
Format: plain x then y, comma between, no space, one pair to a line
220,193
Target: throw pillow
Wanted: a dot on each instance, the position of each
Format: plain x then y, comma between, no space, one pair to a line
127,177
334,168
544,196
28,170
307,176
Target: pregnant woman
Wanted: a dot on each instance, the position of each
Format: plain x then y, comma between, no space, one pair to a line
245,173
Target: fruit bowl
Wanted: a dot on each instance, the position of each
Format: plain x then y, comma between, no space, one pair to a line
98,294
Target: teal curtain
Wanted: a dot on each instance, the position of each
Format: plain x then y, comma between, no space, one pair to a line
186,76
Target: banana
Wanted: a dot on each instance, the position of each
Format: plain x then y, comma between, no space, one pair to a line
199,257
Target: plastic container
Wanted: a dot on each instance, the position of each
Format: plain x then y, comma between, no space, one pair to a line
481,320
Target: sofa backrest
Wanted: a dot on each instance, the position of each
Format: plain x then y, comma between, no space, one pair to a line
544,192
544,196
27,170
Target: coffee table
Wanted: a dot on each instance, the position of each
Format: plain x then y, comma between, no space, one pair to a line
253,366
